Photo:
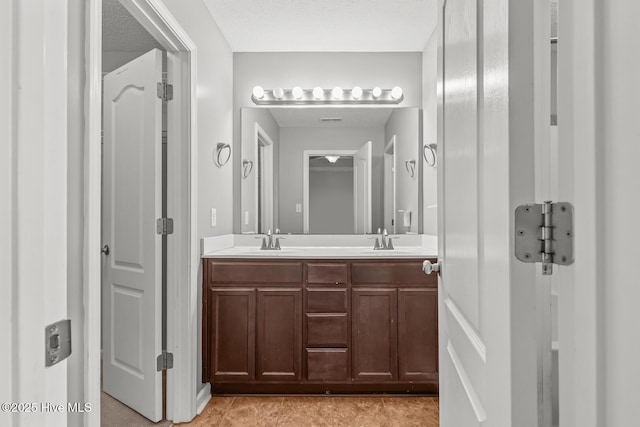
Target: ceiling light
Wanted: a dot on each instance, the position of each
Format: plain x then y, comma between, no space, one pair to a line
332,159
278,93
258,92
376,92
318,92
337,92
396,92
297,92
356,92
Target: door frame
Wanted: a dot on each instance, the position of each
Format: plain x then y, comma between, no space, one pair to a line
306,154
262,139
182,250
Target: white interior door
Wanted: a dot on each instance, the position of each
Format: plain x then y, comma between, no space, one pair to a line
362,189
132,197
487,328
390,186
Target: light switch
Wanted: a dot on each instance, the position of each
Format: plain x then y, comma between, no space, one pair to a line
214,217
246,217
298,207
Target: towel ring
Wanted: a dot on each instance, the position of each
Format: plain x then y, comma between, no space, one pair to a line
411,167
247,167
223,154
429,153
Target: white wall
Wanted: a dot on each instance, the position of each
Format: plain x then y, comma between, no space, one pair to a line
429,133
405,125
262,116
320,69
293,142
331,202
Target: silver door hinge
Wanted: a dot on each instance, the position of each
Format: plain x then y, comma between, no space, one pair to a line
164,226
164,91
164,361
544,233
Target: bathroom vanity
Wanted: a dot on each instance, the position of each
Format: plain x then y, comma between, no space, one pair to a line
290,324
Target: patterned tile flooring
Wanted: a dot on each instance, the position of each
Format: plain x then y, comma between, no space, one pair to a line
311,411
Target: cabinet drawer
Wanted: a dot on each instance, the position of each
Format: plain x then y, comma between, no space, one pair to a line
255,272
327,300
327,330
406,273
327,364
324,273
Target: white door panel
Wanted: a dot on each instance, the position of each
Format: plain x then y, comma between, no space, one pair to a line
479,341
131,204
362,189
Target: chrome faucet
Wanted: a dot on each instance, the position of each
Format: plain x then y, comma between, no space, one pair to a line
270,242
385,243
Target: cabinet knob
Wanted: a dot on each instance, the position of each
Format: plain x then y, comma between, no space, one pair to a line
429,268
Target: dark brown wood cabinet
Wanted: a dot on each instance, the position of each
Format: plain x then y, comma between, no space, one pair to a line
318,326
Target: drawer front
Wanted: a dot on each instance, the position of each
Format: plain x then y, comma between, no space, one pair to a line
255,272
328,364
392,273
327,300
327,330
325,273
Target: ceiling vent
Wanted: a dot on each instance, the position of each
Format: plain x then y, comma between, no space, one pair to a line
330,119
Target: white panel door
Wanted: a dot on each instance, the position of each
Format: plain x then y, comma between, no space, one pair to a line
362,189
480,281
132,197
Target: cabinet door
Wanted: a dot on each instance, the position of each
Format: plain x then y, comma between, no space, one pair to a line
279,326
374,334
232,326
417,334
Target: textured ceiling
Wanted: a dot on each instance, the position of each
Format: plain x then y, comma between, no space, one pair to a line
121,31
325,25
351,117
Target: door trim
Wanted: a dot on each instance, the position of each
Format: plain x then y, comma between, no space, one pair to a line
306,154
262,139
182,250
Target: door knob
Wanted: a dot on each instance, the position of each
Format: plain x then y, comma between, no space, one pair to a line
429,268
105,250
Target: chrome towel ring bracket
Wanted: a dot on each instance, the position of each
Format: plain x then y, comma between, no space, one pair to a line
411,167
222,155
429,154
247,167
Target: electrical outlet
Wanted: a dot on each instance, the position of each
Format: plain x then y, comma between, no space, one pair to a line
214,217
246,218
298,207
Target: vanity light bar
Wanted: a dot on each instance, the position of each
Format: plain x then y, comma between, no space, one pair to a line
319,96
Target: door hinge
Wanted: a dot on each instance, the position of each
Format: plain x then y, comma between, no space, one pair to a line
164,361
164,226
57,342
544,233
164,91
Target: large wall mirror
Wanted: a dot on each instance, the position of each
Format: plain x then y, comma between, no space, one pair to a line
331,170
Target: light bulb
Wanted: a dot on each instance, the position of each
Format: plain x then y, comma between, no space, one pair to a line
278,93
258,92
332,159
337,92
297,92
396,92
356,92
318,92
376,92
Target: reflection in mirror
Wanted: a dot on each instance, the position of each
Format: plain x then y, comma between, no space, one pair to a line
297,188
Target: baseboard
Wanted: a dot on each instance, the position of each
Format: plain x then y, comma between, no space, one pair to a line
203,398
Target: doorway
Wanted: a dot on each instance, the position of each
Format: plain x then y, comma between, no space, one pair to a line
181,248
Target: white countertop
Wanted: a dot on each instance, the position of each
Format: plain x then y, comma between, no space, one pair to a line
319,247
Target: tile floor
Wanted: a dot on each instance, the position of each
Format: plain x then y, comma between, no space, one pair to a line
305,411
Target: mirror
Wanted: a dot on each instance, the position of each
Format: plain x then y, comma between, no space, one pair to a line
331,170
